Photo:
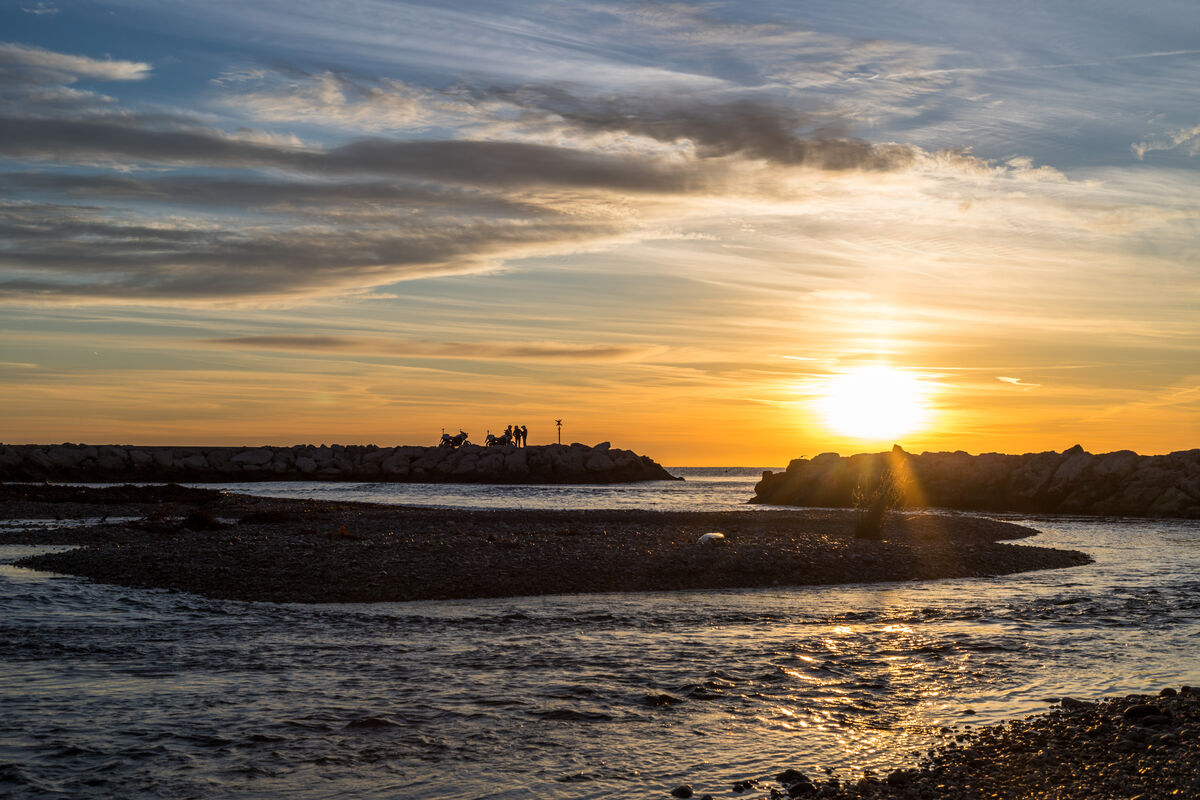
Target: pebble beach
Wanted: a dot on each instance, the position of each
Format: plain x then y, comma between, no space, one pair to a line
1135,747
233,546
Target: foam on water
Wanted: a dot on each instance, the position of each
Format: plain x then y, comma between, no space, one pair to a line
109,691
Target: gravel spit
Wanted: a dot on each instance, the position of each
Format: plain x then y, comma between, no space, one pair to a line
252,548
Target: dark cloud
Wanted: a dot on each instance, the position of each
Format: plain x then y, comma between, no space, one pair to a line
506,164
476,163
127,138
203,190
179,210
345,218
744,127
77,252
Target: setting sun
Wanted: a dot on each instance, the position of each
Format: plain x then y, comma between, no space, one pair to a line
875,402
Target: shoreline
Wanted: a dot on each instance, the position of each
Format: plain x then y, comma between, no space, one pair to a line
241,547
1133,746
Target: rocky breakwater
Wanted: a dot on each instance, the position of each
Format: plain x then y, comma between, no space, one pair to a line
574,463
1074,481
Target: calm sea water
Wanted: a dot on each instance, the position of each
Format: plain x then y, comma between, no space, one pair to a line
704,489
114,692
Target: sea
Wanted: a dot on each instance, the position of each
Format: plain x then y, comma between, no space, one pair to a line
113,692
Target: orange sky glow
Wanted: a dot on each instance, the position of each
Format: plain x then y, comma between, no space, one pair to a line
714,235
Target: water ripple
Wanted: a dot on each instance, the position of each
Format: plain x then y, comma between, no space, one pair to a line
567,697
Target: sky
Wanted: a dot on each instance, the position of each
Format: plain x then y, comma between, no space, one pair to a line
702,231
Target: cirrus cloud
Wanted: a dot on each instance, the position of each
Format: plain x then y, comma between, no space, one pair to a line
485,351
68,67
163,205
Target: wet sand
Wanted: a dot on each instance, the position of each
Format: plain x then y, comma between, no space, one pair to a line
251,548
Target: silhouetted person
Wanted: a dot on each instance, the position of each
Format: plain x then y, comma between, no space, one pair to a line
524,436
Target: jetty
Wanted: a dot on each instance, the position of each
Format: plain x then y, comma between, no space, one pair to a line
554,464
1073,481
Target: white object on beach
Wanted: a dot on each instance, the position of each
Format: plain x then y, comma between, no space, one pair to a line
711,538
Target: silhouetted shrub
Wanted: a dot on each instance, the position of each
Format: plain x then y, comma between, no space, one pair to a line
873,499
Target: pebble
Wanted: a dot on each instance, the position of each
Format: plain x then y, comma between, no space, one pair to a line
1140,711
789,776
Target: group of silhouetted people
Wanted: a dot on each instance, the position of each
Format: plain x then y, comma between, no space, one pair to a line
513,434
517,434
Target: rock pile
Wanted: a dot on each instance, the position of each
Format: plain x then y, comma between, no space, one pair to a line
1071,482
575,463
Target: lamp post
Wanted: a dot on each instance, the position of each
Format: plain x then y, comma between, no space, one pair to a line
558,422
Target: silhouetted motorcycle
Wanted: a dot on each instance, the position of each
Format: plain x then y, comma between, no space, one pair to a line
454,441
494,441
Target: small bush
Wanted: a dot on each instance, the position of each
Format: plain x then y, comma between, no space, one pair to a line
873,499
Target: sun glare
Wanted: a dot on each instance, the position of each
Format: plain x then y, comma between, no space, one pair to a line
874,403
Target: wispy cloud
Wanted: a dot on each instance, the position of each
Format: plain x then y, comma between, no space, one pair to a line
484,351
68,67
1038,67
42,9
713,125
80,254
1186,138
260,216
331,98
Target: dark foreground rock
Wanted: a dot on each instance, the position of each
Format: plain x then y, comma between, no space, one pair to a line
249,548
555,463
1080,750
1071,482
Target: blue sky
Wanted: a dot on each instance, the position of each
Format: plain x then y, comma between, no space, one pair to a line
369,220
